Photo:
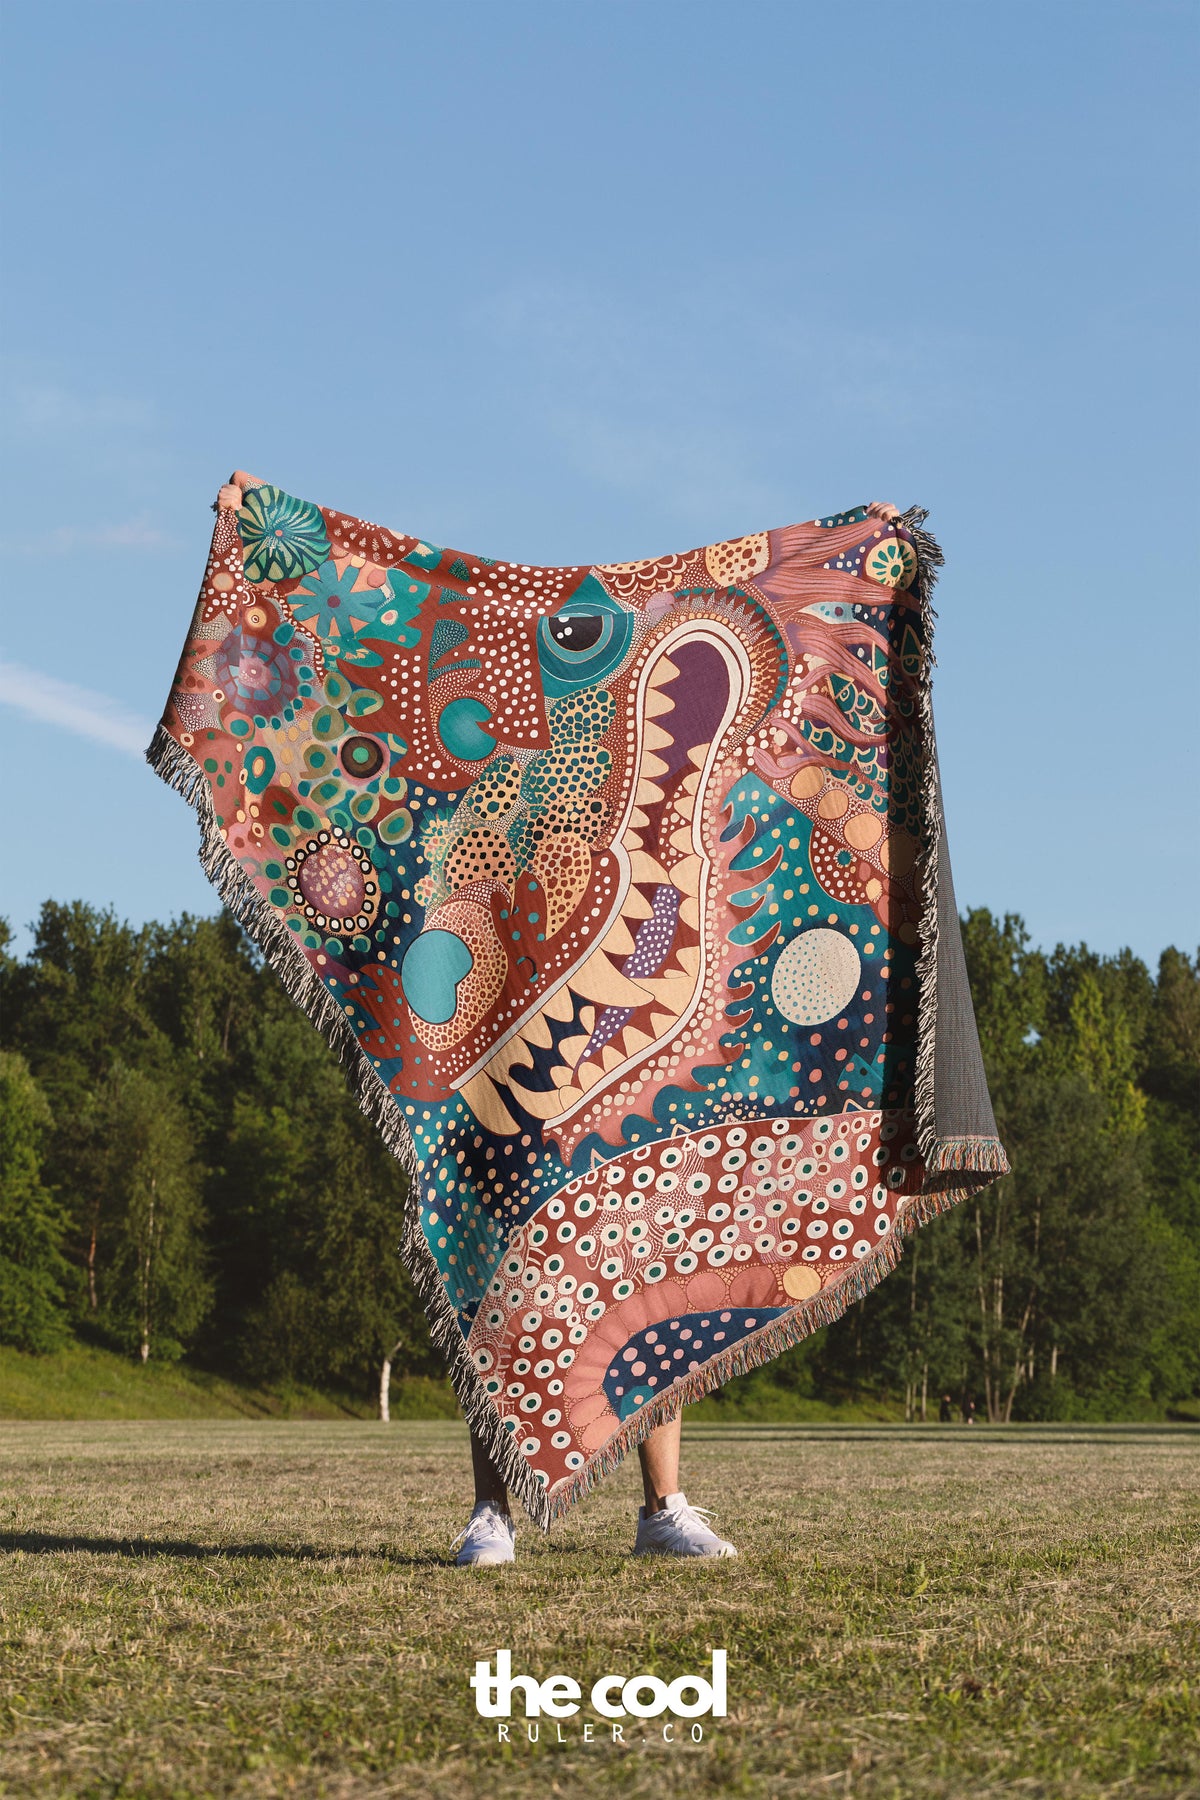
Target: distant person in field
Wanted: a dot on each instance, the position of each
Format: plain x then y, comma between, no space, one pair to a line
946,1411
968,1410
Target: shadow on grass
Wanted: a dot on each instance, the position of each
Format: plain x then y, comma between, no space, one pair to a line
1178,1428
38,1543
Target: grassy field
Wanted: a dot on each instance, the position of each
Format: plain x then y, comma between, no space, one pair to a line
258,1610
85,1382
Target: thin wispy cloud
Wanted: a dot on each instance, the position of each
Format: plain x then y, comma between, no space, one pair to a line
644,399
617,385
79,710
52,410
86,464
690,474
140,534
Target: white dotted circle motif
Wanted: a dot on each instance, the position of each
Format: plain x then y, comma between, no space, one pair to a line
815,977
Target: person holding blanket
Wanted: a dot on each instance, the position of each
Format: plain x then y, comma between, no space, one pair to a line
622,893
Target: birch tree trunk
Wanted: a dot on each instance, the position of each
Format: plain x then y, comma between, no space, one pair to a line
1018,1363
93,1299
985,1331
147,1273
385,1384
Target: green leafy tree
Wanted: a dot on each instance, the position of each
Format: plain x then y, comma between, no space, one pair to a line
1065,1272
308,1211
1009,991
73,1008
931,1309
1044,1295
152,1285
1169,1074
77,1000
1101,1050
33,1313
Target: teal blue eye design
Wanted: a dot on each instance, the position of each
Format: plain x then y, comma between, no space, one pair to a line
585,641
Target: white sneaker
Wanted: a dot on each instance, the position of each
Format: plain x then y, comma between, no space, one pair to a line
678,1530
487,1539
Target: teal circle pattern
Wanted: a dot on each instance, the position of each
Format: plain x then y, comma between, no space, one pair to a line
460,727
433,966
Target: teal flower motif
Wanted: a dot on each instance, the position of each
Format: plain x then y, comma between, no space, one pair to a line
281,537
327,605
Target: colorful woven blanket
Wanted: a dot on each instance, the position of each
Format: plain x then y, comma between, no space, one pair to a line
623,894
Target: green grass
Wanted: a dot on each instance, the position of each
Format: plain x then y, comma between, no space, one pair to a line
84,1382
245,1609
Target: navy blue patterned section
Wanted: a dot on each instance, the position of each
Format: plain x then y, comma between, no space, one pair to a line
657,1356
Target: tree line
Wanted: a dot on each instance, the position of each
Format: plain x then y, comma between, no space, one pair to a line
183,1171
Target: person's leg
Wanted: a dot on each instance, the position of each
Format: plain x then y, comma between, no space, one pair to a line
675,1531
668,1524
488,1485
659,1457
489,1534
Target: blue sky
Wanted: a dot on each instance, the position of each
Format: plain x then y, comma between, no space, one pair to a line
574,282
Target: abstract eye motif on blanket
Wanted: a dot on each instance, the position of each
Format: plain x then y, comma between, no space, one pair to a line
616,887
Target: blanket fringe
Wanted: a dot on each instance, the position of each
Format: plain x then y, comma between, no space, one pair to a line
929,561
980,1155
281,950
